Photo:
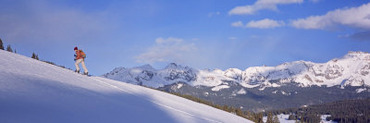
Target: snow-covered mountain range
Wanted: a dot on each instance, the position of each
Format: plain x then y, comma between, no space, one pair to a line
32,91
351,70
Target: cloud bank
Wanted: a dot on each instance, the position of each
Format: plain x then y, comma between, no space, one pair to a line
260,24
167,50
261,5
355,17
264,24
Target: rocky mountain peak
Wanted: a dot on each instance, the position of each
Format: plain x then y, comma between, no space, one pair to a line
353,70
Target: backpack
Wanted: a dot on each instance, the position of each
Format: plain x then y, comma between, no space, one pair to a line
82,54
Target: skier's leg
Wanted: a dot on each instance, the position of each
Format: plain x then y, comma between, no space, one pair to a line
78,61
84,67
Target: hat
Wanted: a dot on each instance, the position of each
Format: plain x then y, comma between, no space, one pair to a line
76,48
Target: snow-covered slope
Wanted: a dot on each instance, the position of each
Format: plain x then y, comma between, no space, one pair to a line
36,92
351,70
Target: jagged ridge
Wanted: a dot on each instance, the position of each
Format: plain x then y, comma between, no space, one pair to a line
351,70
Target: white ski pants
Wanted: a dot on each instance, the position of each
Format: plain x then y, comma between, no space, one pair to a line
78,61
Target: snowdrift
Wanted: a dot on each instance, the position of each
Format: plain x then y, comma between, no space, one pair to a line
34,91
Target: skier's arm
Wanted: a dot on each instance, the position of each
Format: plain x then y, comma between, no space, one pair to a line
78,55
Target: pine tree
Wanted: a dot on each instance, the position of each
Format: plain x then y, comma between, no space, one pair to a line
276,119
225,108
1,45
9,48
239,112
296,121
259,118
292,117
269,118
34,56
301,119
249,114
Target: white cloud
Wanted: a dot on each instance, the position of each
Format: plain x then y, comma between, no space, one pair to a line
260,5
261,24
264,24
239,10
355,17
168,50
275,2
237,24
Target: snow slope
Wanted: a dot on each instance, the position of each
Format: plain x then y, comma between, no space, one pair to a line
34,92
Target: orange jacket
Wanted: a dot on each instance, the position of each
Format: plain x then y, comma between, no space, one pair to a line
78,54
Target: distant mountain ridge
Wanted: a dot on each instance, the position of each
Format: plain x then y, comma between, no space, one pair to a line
351,70
291,84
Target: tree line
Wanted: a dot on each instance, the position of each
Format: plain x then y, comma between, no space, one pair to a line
34,55
345,111
10,49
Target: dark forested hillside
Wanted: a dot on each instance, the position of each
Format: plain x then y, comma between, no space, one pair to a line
346,111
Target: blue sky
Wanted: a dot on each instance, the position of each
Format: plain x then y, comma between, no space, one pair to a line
198,33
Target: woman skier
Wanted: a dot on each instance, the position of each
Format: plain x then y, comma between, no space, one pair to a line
80,58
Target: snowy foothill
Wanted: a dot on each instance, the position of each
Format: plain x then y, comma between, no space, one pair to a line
35,92
360,90
220,87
